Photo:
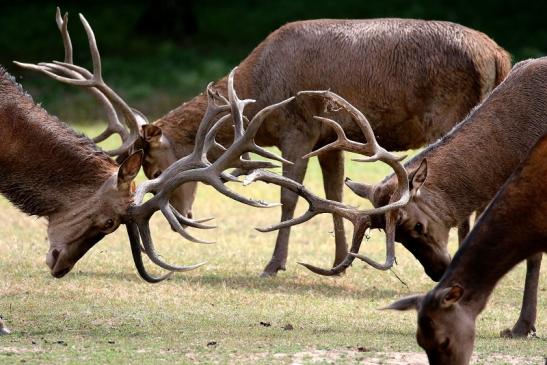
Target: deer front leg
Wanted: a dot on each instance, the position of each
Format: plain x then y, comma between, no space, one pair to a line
332,166
297,147
463,230
526,323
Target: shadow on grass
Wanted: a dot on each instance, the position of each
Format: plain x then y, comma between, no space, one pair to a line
305,285
334,287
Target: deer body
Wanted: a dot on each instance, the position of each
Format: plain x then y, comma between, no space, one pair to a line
412,79
447,314
467,167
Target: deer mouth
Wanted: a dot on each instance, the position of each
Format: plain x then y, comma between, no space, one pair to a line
59,274
55,264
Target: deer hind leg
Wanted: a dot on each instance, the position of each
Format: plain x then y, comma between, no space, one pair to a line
526,323
332,166
295,146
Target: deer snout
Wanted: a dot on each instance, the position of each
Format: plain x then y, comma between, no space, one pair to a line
54,261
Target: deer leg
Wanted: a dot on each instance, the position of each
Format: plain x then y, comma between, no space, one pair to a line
465,226
463,230
297,147
3,329
526,323
332,166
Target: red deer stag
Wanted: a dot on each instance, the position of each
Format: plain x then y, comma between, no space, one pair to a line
413,79
463,171
48,170
196,166
447,314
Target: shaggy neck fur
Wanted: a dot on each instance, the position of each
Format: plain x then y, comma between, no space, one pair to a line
44,164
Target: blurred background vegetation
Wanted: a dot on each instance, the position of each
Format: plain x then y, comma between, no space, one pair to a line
159,53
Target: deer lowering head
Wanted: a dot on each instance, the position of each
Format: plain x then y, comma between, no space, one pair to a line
419,226
50,171
74,229
195,167
447,314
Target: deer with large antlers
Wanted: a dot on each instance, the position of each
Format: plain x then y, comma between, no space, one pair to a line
96,195
413,79
512,229
48,170
196,166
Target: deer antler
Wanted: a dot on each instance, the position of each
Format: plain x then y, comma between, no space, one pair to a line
196,167
67,72
359,218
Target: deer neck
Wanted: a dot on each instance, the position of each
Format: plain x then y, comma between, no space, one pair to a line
181,124
487,254
44,165
469,165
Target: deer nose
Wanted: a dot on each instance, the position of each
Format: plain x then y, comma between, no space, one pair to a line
52,257
189,214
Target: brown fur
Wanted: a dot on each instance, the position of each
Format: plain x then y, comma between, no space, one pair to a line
447,314
47,180
469,165
47,169
413,80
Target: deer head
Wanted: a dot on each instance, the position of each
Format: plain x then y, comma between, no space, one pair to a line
74,229
418,225
446,329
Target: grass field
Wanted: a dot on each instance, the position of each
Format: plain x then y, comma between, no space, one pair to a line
103,312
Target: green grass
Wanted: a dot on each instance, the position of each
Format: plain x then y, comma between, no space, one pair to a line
103,313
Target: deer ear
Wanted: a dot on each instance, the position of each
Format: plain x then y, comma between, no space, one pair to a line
450,296
129,169
417,178
363,190
407,303
151,133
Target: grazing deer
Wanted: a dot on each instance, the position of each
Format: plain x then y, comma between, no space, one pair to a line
463,171
413,79
447,314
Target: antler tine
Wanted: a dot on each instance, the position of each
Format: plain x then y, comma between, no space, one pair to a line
167,211
79,76
359,218
150,250
62,24
114,126
237,105
342,142
133,234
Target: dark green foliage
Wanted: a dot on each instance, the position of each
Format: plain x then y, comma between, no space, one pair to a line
161,53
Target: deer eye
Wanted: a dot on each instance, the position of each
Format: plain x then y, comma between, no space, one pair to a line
419,228
156,174
108,224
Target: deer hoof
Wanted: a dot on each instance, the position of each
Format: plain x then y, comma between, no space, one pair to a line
272,268
519,332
